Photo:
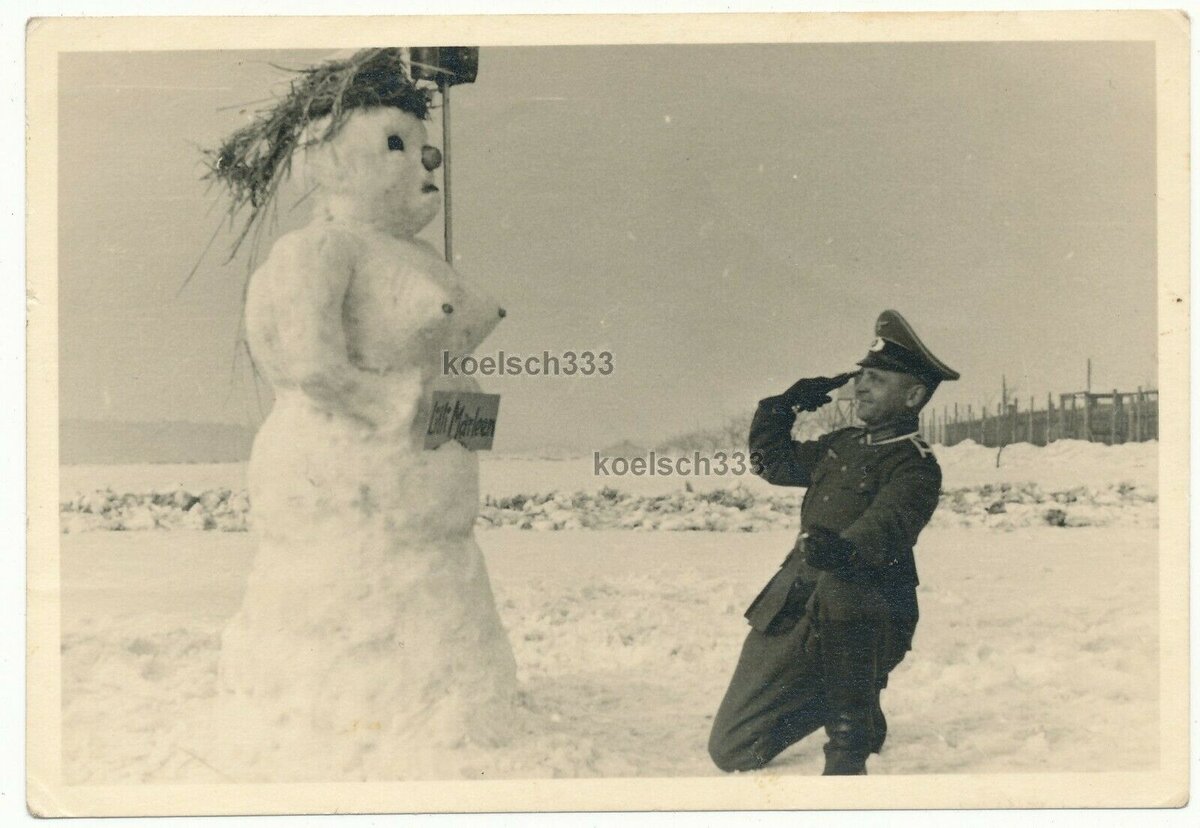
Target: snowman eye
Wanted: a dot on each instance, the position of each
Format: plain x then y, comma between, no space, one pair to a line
395,142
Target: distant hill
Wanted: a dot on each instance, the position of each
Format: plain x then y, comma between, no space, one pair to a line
625,448
110,442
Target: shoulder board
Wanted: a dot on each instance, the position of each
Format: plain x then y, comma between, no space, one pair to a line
921,446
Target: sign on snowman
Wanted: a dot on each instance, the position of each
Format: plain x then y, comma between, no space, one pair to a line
368,644
468,418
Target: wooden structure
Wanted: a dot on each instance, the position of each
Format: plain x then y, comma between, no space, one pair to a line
1109,417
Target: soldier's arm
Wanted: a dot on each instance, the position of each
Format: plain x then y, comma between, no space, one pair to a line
774,455
900,510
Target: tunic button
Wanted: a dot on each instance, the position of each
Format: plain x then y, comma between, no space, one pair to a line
843,468
826,497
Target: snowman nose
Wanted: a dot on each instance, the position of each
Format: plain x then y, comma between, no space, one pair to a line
431,158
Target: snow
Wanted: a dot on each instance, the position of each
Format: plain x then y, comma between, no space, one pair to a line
1037,650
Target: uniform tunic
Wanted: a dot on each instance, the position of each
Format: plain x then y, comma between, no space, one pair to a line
877,488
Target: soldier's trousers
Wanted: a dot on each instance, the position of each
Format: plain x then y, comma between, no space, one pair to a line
780,692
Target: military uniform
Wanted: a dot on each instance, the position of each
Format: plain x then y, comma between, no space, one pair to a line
823,642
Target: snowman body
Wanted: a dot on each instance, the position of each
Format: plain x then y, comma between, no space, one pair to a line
368,643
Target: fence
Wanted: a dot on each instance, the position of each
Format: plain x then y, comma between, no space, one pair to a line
1114,417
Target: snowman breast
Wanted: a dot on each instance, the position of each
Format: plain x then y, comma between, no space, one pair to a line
404,306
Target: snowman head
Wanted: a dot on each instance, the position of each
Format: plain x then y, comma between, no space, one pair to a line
377,170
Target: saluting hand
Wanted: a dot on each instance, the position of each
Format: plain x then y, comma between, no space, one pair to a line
812,393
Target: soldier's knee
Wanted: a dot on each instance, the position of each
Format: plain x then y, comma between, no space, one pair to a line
734,760
730,755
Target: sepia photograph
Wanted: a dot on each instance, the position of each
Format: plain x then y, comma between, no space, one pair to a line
654,408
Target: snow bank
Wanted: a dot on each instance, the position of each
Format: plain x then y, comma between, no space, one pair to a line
1060,465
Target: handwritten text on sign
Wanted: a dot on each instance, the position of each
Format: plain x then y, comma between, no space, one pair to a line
466,417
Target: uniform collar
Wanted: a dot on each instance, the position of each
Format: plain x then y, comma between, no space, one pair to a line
900,428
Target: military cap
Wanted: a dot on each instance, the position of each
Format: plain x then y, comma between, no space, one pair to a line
898,348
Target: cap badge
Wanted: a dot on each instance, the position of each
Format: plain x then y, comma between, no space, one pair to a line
877,345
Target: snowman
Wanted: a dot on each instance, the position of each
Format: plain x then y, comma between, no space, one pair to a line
368,644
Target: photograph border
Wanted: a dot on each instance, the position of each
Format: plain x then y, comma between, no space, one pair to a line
1168,786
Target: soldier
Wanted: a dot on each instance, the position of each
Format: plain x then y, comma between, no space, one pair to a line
840,613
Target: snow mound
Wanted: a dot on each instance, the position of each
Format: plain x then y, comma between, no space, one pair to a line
1060,464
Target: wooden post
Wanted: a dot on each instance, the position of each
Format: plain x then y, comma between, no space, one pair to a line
1002,439
1143,408
1087,413
1116,418
1031,442
970,422
447,233
1049,418
983,425
1137,416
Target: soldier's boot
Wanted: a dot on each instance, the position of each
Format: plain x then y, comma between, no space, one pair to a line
847,749
880,722
849,650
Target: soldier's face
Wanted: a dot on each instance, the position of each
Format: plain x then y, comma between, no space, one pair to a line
884,395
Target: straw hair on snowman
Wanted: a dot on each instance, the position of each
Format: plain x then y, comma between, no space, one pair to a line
252,162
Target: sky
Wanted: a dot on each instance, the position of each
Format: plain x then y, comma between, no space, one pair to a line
722,219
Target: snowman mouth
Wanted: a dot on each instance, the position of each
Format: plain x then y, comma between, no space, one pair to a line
429,188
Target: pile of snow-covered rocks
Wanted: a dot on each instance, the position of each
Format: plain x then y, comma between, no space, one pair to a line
220,509
1015,505
735,509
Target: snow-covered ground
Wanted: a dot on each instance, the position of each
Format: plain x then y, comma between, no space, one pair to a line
1037,648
